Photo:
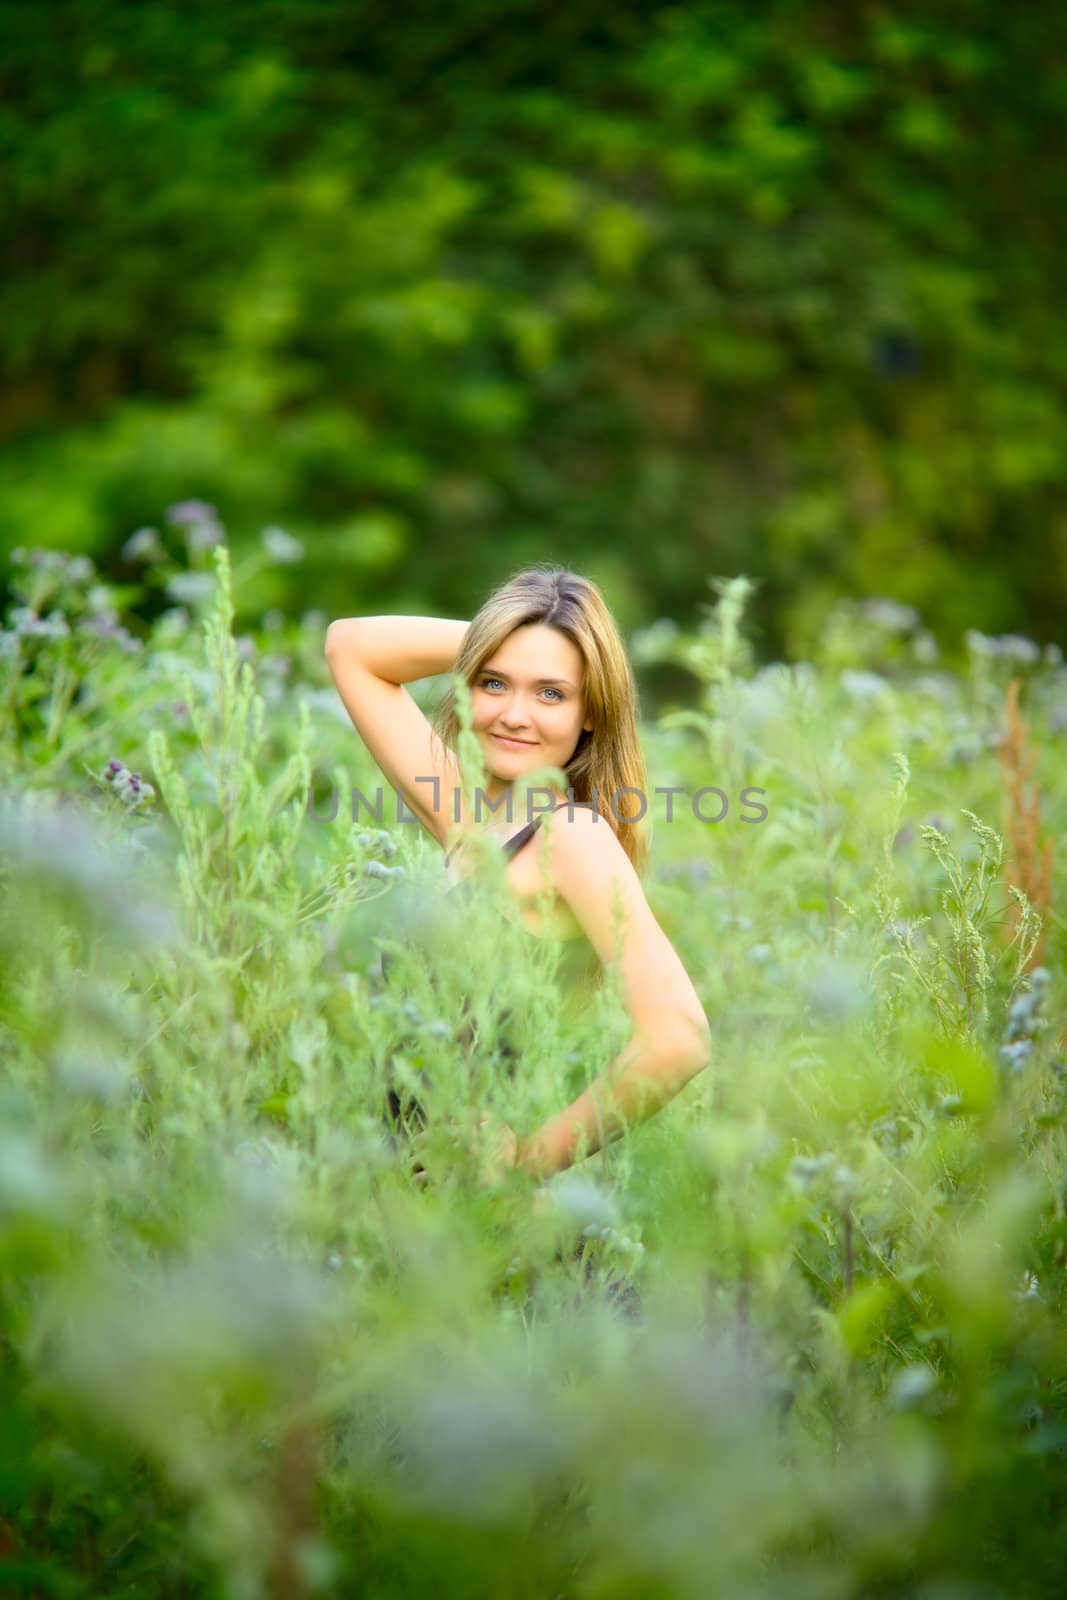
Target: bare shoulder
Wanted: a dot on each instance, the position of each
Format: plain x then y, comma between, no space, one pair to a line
582,827
591,871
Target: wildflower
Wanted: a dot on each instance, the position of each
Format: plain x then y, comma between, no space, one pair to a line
276,666
584,1202
804,1169
28,625
654,642
1015,647
1011,647
109,627
911,1385
92,1074
191,587
1014,1056
203,536
143,545
80,569
846,1185
172,623
281,547
837,990
185,513
890,615
203,531
129,786
864,687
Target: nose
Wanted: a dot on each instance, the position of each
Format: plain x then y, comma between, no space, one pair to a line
514,718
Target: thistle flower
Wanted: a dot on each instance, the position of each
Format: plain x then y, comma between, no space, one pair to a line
130,787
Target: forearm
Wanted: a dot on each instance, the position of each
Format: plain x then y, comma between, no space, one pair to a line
398,649
631,1089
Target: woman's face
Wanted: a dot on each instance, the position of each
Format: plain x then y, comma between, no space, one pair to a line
529,690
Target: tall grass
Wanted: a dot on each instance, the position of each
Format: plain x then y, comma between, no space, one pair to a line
801,1334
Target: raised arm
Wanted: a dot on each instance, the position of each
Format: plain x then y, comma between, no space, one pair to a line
370,659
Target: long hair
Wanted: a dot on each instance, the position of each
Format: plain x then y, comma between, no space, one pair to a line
608,766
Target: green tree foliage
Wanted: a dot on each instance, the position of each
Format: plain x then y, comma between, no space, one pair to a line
660,289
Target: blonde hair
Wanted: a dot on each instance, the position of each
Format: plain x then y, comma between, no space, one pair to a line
608,760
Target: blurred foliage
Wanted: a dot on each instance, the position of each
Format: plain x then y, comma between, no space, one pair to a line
658,290
802,1334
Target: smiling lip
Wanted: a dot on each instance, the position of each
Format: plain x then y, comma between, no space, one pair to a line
505,740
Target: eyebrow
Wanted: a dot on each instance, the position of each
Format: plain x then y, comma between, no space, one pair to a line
496,673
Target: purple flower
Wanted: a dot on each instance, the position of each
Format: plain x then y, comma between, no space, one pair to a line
186,513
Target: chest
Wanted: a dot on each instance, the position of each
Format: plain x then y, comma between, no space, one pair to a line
526,877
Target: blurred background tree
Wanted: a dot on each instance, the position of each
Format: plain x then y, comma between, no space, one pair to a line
660,291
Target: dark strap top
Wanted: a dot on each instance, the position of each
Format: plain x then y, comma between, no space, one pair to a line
513,845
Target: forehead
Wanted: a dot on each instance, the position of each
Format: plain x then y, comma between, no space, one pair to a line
538,651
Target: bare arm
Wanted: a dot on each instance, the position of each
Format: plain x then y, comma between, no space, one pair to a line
370,659
396,649
671,1039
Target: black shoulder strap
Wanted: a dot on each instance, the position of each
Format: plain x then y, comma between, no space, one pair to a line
517,840
515,843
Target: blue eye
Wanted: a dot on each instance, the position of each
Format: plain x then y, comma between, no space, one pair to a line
485,683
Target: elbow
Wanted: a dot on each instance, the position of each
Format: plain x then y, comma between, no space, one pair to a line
687,1051
339,635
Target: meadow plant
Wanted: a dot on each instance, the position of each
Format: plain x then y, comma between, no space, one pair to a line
800,1333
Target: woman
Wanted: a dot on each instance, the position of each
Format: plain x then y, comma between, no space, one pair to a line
550,686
